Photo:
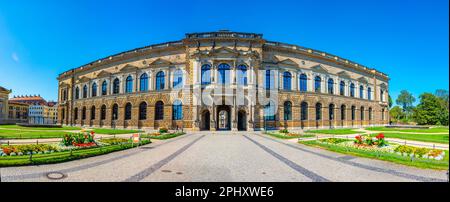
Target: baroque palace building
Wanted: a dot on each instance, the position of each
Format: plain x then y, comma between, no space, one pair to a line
214,81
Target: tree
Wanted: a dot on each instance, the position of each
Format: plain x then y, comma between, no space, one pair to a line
396,113
443,96
405,99
430,111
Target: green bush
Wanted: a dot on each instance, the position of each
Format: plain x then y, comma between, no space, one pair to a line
163,130
284,131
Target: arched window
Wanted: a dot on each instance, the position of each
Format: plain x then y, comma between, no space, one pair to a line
269,81
85,91
160,80
127,111
362,114
159,110
83,113
116,86
352,90
353,113
304,111
206,74
369,93
370,113
63,95
143,82
178,79
177,110
103,112
303,82
287,80
318,111
343,109
342,88
269,111
381,95
317,82
143,111
331,112
287,110
242,75
75,113
223,73
115,112
94,89
330,86
129,84
361,91
104,88
93,113
77,93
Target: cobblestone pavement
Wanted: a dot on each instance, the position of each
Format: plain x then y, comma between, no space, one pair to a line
222,156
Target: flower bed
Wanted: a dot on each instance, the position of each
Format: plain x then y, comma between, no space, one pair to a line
379,144
19,150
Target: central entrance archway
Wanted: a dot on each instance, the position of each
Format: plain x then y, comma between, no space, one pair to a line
242,121
205,120
223,118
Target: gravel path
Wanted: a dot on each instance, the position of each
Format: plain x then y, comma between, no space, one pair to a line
223,157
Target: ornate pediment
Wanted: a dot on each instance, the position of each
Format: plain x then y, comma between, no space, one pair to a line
128,68
83,79
160,61
344,74
319,69
363,80
383,86
103,74
224,51
288,62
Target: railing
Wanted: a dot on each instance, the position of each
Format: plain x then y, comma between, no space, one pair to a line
223,34
322,54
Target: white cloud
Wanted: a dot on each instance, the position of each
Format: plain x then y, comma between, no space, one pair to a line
15,57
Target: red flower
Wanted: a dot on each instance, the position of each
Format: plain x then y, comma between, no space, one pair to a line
380,136
92,132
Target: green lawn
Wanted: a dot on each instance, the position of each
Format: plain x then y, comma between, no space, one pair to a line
430,130
417,137
284,136
59,157
18,134
37,128
420,163
338,131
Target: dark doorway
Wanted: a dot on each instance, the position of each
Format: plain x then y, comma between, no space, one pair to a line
205,121
242,121
223,118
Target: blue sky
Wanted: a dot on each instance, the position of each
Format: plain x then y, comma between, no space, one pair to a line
406,39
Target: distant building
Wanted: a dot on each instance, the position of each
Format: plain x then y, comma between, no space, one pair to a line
4,93
18,112
43,114
29,99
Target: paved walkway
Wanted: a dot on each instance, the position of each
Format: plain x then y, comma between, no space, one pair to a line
222,156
